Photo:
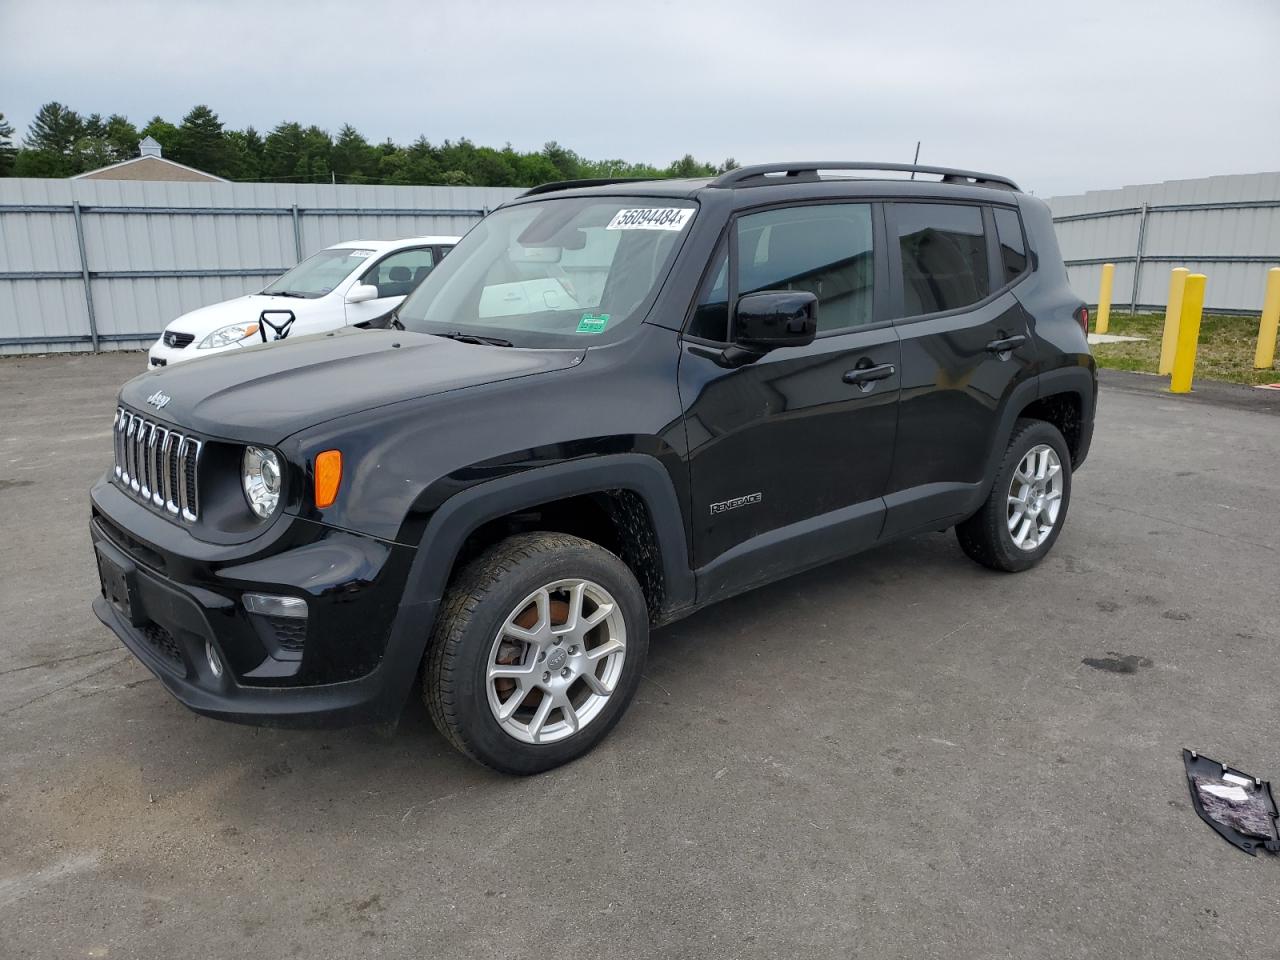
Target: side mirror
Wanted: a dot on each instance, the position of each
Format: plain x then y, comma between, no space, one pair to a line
362,292
775,318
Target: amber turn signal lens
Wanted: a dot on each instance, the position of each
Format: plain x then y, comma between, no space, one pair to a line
328,477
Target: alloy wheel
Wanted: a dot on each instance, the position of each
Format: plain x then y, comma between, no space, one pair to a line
1035,497
556,661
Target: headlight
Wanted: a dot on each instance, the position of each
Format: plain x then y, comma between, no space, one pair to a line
225,336
260,475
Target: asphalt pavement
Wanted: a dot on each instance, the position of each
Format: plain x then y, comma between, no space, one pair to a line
898,755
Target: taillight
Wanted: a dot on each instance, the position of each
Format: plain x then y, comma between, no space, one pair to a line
1082,318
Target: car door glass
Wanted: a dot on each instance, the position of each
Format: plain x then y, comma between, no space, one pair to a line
944,256
711,315
398,274
1013,251
825,249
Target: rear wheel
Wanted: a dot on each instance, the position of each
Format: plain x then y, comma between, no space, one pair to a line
537,653
1024,513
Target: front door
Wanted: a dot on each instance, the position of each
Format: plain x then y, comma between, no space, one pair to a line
965,347
789,454
395,276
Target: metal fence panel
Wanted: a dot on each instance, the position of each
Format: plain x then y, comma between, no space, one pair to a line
1227,228
154,250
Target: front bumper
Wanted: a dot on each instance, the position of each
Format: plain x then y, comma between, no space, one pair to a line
161,356
362,646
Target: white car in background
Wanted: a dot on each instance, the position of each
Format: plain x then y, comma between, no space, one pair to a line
346,284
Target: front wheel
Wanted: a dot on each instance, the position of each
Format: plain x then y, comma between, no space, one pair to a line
537,653
1027,507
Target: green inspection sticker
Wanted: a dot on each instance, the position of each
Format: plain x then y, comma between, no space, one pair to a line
593,323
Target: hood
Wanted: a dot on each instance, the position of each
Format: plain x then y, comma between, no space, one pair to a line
203,321
265,393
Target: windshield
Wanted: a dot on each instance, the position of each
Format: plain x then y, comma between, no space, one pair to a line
553,273
317,275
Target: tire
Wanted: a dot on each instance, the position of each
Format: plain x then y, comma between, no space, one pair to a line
509,589
987,536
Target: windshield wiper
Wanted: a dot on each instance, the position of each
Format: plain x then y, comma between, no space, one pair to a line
475,338
286,293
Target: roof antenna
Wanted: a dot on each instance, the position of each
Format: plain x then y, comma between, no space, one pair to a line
916,160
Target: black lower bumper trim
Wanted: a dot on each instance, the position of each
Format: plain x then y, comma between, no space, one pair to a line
375,698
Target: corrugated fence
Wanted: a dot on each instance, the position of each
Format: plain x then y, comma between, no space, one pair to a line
88,263
1227,228
107,264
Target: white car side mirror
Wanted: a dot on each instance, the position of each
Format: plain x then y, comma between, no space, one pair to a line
362,292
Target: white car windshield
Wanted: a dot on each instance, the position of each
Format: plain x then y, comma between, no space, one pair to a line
318,274
554,272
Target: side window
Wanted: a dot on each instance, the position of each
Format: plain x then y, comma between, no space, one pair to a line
398,274
1013,251
825,249
711,315
944,256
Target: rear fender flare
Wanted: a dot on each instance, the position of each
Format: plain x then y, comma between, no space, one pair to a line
1077,380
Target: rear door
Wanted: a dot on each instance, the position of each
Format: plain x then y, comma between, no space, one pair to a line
965,347
790,453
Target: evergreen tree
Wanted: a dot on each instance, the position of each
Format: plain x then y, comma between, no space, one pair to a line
122,138
54,130
201,142
244,154
567,163
61,143
282,151
295,154
352,159
8,152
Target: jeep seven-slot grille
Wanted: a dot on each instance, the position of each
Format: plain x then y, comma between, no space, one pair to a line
158,464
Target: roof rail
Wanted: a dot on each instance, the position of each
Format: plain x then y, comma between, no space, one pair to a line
736,178
588,182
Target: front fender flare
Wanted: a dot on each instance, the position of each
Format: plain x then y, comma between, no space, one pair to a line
464,512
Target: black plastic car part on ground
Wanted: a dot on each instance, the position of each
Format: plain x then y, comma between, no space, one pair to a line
720,382
1238,806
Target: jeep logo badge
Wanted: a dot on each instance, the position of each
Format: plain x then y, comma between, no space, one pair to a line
158,399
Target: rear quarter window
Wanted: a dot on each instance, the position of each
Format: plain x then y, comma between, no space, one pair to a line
1013,248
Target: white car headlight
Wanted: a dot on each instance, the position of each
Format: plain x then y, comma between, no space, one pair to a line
225,336
260,475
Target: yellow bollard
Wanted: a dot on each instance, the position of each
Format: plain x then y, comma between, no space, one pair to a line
1172,311
1184,361
1265,355
1104,298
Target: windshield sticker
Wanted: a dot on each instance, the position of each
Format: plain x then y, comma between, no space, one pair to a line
592,323
651,218
362,254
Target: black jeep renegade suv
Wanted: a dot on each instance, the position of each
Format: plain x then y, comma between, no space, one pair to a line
612,404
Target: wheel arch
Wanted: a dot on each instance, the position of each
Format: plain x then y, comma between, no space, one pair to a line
1064,397
627,500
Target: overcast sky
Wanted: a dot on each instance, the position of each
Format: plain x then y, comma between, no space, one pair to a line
1062,96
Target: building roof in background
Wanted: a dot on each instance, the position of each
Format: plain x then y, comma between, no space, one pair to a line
148,165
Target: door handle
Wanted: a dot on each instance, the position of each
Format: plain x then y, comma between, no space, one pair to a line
1005,344
863,375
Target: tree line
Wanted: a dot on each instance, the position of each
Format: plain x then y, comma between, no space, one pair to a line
61,143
